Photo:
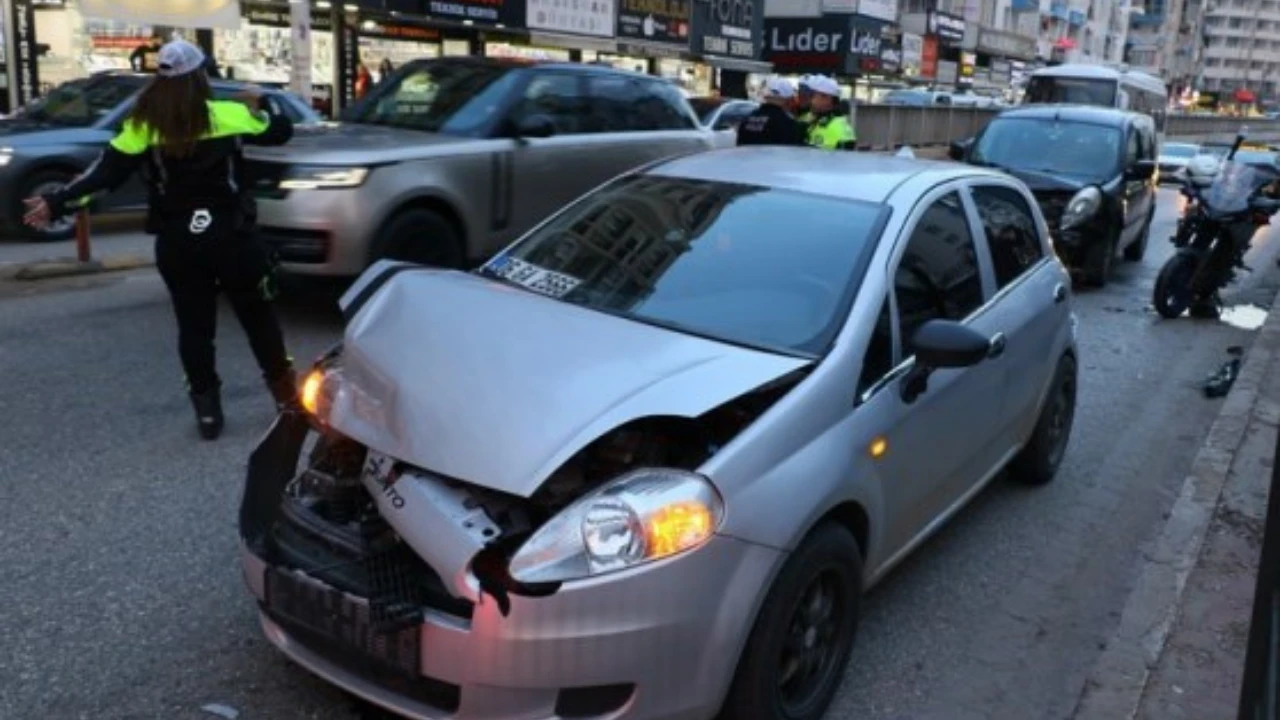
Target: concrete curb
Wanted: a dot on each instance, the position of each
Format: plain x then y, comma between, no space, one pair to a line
67,267
1119,679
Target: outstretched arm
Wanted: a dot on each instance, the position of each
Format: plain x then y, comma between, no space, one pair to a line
116,163
256,118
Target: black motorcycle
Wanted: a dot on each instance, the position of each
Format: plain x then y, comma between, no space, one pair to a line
1214,234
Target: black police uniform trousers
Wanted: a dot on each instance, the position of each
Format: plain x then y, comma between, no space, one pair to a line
201,252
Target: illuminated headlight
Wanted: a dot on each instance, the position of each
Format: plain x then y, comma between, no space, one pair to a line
643,516
314,177
6,156
320,386
1082,207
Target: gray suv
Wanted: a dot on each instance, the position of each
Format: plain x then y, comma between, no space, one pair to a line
450,159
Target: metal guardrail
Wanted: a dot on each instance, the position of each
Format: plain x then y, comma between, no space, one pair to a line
891,126
1260,689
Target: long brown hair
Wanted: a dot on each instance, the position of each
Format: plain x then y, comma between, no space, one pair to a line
175,111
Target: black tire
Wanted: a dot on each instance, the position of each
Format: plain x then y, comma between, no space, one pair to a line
1039,460
828,560
1171,295
1096,268
41,182
420,236
1138,249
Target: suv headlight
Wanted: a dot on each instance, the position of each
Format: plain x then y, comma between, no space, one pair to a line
1083,206
320,386
315,177
642,516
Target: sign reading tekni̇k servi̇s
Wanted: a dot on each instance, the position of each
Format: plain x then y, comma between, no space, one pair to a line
727,28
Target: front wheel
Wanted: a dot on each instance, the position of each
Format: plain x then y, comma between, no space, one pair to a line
1172,294
799,647
418,235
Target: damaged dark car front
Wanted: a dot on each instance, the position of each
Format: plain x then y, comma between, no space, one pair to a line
1093,172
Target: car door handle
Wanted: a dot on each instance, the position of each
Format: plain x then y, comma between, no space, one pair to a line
1059,293
998,344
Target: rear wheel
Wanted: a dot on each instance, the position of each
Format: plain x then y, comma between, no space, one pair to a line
1172,294
420,236
1039,460
799,647
41,183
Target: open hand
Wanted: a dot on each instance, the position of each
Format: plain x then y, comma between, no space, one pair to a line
38,214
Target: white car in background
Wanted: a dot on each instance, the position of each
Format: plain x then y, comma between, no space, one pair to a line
1173,159
723,115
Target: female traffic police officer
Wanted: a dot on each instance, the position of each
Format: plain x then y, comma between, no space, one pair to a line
190,147
828,129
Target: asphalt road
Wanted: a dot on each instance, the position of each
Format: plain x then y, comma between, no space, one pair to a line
122,596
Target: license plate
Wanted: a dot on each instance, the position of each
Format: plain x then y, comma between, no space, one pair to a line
341,618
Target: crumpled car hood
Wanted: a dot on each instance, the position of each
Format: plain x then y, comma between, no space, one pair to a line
497,386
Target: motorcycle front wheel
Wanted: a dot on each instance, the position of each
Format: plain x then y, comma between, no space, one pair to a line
1172,293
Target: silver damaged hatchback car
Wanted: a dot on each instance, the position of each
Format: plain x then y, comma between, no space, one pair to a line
644,462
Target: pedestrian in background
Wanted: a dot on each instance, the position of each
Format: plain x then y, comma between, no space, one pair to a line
203,221
771,124
829,130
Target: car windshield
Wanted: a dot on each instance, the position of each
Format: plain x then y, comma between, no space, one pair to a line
1082,150
438,96
81,103
1178,150
1080,91
752,266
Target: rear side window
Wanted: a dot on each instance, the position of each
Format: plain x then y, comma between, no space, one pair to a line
664,108
613,104
1010,227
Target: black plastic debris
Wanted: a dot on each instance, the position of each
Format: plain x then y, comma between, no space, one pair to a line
1219,384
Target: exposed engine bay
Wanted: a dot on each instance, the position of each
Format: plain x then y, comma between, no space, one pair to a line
332,525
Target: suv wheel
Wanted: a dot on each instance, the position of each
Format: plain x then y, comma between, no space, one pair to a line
1097,262
420,236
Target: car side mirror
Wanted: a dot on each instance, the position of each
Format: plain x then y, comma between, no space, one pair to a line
535,126
1141,170
942,344
958,149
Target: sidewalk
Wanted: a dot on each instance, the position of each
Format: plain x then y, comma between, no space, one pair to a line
115,243
1179,651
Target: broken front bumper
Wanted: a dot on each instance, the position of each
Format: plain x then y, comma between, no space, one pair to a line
657,642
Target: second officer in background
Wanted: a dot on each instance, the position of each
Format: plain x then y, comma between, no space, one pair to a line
771,124
830,129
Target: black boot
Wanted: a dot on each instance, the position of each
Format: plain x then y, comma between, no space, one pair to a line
284,390
208,406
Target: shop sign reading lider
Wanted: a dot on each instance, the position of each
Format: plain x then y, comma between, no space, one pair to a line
176,13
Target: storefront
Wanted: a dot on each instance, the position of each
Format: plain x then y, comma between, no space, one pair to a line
996,52
940,60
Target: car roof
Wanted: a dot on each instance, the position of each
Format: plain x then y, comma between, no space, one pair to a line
1096,114
215,82
857,176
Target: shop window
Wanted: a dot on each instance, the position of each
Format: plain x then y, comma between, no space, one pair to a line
559,97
